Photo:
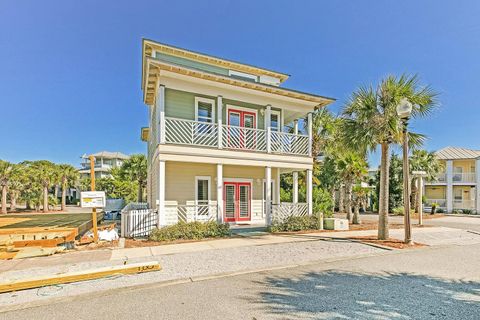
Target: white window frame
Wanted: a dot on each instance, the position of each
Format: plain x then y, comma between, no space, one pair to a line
205,100
243,75
279,114
209,192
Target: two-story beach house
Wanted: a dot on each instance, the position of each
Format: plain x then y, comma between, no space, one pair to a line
104,162
456,187
218,138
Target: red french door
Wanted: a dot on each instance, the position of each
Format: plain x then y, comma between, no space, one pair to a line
239,135
237,201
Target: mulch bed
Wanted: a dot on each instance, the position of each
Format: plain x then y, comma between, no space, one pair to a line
137,243
392,243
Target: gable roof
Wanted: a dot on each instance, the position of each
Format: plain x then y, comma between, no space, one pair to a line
452,153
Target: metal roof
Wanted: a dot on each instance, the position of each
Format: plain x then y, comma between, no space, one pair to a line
452,153
110,155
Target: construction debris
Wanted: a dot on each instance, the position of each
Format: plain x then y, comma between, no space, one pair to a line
69,277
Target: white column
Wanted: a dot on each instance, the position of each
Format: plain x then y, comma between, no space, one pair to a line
295,126
477,186
161,114
161,194
310,133
268,111
220,193
310,191
219,121
295,187
420,202
449,186
268,195
277,187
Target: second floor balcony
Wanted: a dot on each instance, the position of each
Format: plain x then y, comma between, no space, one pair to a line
461,177
208,134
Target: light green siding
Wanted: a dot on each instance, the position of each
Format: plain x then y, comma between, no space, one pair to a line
189,63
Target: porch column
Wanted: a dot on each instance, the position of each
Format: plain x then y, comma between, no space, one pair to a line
277,187
219,121
220,193
268,111
310,191
161,113
161,194
295,187
310,133
268,195
477,186
449,194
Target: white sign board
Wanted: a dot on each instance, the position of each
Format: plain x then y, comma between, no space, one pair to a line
92,199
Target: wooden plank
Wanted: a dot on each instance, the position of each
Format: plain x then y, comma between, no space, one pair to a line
69,277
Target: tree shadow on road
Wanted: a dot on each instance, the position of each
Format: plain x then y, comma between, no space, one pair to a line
345,295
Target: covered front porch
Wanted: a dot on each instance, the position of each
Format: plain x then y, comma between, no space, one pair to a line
235,194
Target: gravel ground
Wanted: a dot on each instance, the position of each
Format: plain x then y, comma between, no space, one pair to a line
185,265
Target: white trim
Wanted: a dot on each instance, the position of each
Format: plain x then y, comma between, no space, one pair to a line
231,106
280,122
243,75
264,181
204,100
209,179
237,180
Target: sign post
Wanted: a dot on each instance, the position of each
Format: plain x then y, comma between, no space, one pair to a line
94,209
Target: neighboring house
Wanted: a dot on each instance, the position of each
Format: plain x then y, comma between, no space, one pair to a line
456,187
104,161
217,137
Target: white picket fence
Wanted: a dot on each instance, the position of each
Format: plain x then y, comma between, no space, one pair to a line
138,223
282,211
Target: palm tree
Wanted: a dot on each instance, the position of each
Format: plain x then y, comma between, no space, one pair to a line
68,177
6,171
422,160
135,169
371,120
353,168
360,197
47,176
16,185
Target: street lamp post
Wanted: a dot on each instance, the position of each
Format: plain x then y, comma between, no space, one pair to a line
404,110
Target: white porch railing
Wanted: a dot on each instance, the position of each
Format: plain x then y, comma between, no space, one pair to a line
440,202
464,204
283,142
192,212
464,177
196,133
284,210
190,132
138,223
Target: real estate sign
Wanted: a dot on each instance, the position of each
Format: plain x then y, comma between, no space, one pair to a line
92,199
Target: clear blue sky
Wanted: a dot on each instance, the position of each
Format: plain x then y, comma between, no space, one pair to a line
70,70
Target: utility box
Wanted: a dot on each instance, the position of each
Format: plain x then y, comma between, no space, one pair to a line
335,224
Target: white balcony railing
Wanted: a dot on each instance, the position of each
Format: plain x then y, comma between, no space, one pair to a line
441,177
464,204
192,212
464,177
195,133
282,211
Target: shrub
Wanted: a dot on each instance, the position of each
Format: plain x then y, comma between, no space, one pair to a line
440,210
467,211
295,223
322,202
398,211
457,211
191,231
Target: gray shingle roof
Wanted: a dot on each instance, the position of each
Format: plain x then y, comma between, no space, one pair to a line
452,153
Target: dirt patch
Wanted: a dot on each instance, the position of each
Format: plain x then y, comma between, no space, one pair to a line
136,243
391,243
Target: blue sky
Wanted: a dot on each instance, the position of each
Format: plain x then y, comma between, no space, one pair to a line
70,70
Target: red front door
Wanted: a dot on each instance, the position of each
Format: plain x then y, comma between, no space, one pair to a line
239,134
237,201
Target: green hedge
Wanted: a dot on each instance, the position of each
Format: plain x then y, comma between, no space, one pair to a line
293,223
191,231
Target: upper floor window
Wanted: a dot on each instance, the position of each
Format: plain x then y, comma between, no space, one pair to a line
275,120
204,109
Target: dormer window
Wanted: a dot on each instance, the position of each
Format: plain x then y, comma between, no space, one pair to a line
204,110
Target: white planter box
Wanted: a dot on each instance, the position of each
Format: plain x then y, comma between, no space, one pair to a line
335,224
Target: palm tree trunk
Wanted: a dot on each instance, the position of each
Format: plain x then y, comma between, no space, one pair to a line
348,202
64,196
45,199
414,194
356,215
332,192
140,192
383,233
341,200
4,199
13,202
